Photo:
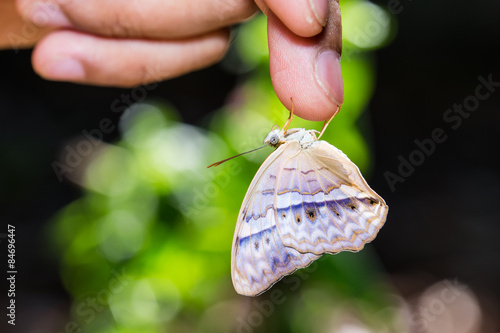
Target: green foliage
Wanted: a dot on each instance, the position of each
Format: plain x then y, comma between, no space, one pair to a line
147,247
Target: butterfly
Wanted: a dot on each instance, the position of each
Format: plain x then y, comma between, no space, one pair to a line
306,199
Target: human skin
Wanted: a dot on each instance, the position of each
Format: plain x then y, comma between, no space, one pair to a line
123,44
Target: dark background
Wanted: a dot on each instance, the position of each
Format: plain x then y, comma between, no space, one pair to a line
444,221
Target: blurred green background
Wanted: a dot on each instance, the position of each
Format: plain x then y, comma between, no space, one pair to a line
137,237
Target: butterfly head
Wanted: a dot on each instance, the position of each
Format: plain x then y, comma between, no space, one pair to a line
275,138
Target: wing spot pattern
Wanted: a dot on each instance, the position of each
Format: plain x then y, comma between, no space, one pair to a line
311,214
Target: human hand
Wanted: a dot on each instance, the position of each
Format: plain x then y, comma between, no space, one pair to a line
14,32
304,55
126,43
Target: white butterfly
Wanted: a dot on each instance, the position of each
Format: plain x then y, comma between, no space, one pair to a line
306,199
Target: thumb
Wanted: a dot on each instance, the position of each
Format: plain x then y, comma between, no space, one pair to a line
308,69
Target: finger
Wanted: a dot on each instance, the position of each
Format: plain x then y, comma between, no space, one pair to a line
16,33
157,19
307,69
305,18
77,57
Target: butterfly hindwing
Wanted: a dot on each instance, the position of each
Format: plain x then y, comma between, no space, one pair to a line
324,204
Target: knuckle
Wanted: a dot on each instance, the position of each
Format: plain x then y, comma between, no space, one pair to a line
237,10
120,24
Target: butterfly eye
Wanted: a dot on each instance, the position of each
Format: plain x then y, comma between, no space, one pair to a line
273,140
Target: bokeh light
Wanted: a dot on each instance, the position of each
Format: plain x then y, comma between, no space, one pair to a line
150,239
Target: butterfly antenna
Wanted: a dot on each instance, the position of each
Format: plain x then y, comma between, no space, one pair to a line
289,120
325,125
230,158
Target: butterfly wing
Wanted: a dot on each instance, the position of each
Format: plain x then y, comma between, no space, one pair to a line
324,204
259,259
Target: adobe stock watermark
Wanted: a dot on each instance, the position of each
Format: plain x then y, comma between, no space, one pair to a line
30,29
433,307
454,118
266,307
73,155
379,23
87,309
363,37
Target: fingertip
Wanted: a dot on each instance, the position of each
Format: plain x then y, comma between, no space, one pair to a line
305,108
223,38
320,10
56,57
305,18
62,69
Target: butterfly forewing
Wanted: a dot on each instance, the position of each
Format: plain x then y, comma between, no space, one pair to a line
259,258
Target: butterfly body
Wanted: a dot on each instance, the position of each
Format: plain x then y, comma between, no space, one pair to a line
306,199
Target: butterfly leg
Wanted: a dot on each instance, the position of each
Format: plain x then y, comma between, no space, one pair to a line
325,125
289,120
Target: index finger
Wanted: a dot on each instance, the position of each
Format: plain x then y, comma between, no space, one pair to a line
304,18
146,19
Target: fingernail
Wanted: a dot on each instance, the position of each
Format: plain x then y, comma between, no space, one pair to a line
329,75
320,10
64,69
48,14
